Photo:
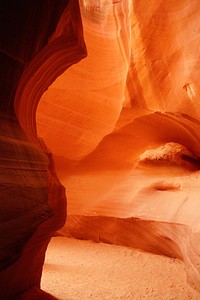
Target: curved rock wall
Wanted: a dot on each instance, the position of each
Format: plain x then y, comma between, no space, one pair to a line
137,90
85,102
39,40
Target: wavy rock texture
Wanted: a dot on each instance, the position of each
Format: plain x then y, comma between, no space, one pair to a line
137,90
123,126
39,40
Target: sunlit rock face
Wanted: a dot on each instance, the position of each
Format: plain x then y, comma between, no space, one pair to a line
39,40
123,125
83,104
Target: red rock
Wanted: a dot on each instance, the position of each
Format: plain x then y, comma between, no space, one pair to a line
136,90
38,42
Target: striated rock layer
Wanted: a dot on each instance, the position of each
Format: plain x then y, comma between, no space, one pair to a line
39,40
137,90
123,126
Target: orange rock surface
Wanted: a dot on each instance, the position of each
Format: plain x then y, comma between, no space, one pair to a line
38,42
123,125
119,129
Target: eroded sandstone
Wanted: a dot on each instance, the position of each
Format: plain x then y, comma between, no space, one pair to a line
137,91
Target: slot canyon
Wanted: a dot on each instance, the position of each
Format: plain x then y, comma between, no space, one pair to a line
99,148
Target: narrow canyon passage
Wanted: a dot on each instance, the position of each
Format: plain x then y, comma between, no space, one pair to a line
123,127
99,142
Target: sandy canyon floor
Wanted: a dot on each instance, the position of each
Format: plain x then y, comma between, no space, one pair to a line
76,269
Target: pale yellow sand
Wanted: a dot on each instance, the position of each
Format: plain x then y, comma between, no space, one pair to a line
84,270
